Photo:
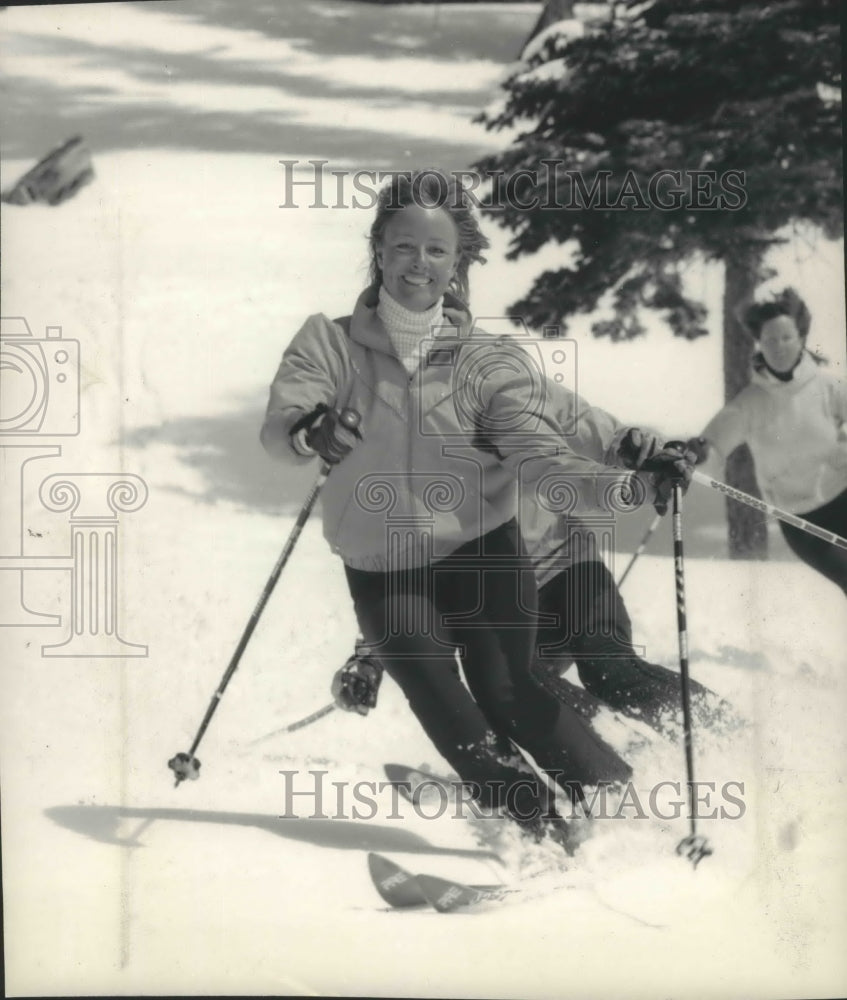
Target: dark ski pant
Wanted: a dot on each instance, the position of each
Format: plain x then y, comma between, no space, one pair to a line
826,558
592,628
482,599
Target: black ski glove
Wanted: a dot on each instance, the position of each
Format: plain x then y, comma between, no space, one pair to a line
699,447
356,685
672,466
327,432
637,447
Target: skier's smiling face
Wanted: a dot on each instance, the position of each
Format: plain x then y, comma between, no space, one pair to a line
418,256
780,343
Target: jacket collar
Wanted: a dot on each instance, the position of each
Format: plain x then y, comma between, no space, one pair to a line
367,329
805,371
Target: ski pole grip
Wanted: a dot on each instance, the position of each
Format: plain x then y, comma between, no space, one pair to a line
350,418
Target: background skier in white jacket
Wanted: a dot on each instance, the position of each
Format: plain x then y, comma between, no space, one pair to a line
793,417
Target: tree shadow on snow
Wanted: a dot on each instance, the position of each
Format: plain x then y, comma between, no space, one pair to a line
332,28
225,450
38,111
103,824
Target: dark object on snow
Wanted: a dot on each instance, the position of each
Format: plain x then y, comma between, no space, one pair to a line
55,178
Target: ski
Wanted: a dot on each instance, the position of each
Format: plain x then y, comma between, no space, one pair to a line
409,780
446,895
402,889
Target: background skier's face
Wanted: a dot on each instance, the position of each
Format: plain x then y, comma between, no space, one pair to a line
418,256
780,343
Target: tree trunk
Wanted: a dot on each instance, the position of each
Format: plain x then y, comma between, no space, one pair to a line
748,530
554,10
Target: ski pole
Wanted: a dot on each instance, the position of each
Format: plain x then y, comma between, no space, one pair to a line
694,847
648,534
186,765
299,724
767,508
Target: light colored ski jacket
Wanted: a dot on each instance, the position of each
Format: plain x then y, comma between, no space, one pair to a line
582,529
796,431
444,452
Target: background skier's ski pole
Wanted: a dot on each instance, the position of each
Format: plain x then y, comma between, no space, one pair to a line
299,724
767,508
648,534
694,847
186,765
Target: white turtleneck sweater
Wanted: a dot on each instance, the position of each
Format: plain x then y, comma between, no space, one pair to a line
406,328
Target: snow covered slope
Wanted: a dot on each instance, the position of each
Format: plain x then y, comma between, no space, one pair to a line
183,280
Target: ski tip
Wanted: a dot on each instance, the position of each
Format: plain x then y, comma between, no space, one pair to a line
395,885
406,773
403,773
379,865
410,780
